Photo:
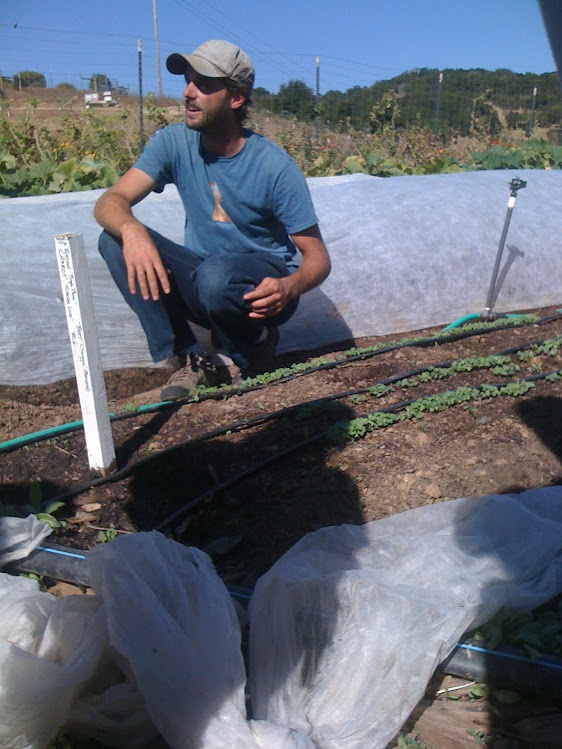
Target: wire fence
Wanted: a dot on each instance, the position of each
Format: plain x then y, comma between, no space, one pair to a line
447,102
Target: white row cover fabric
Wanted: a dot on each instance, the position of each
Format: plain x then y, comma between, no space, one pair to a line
407,253
346,630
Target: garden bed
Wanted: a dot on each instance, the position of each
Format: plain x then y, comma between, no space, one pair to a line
251,491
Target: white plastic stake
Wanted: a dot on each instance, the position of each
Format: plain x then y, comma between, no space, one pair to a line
78,303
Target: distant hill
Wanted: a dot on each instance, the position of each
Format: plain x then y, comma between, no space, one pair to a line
466,98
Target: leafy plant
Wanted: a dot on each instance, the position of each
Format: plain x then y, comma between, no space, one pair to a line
534,154
35,507
107,534
357,399
379,390
358,428
409,741
44,513
158,116
478,692
482,738
71,175
536,632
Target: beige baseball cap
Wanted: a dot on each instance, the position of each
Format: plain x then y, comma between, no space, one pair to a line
216,59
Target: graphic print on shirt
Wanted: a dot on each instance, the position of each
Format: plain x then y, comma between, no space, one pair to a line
219,214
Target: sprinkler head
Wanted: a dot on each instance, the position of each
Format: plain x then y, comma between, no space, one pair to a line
516,184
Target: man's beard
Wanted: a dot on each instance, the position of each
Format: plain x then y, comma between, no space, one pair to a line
209,121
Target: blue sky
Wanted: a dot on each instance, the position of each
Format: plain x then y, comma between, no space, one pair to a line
358,41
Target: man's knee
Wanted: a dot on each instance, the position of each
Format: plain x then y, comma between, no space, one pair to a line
220,284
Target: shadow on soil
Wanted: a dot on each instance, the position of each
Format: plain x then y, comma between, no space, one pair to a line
270,509
142,435
544,416
19,494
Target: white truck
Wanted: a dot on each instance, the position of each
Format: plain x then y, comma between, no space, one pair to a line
96,99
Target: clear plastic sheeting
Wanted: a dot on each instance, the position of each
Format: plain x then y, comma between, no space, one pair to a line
186,657
20,536
346,630
407,253
350,624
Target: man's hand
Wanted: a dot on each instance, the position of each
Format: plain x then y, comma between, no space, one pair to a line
113,212
273,294
144,265
269,298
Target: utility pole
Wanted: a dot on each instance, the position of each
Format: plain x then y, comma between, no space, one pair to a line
437,101
157,48
532,116
317,97
139,49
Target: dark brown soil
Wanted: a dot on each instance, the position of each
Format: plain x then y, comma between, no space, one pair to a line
276,493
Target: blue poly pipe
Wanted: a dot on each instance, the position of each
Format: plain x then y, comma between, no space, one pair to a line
60,563
507,668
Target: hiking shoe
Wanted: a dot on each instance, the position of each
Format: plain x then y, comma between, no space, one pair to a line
260,355
185,379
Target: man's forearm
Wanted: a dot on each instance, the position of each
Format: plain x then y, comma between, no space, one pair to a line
315,266
113,212
310,274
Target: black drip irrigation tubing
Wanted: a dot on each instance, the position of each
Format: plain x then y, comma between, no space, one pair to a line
421,343
418,343
239,426
264,418
305,443
505,668
226,392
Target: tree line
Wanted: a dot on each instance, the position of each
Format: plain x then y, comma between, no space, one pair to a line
29,78
448,101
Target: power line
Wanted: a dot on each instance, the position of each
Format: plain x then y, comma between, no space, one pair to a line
362,64
253,36
67,31
228,31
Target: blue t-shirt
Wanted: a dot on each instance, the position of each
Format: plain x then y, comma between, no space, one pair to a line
242,203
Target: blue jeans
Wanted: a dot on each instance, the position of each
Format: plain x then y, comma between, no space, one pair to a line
206,292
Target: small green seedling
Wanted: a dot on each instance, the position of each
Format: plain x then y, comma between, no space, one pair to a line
107,534
44,514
